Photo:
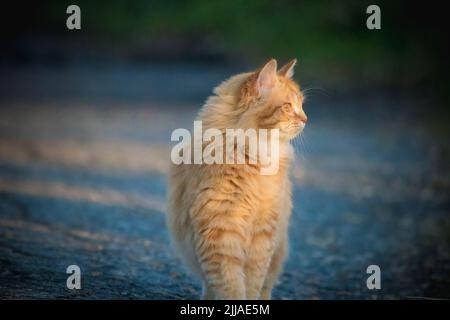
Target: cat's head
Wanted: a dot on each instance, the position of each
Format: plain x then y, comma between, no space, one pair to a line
272,100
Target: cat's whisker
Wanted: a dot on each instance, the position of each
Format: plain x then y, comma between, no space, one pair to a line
317,89
304,141
308,92
294,144
302,144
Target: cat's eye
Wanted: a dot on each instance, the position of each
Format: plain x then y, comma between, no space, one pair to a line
286,107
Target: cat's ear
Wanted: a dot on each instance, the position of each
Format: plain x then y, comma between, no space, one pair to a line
267,77
288,69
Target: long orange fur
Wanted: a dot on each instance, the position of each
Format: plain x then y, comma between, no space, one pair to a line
227,221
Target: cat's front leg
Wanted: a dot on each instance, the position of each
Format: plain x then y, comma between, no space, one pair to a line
258,262
275,268
207,292
221,256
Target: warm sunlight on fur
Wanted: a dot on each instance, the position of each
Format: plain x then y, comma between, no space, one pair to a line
227,221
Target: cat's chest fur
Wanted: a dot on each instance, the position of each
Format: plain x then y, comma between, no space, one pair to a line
271,200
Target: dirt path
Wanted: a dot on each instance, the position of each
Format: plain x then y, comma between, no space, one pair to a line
82,181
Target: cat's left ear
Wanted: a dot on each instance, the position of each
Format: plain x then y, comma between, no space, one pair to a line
288,69
267,77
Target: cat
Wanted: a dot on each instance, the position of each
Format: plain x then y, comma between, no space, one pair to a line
227,221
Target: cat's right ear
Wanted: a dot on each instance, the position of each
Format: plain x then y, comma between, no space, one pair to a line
267,78
288,69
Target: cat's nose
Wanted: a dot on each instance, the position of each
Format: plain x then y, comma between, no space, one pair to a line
302,117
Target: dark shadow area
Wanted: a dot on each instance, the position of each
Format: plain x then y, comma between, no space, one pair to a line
86,119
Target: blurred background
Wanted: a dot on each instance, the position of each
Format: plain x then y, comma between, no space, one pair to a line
86,118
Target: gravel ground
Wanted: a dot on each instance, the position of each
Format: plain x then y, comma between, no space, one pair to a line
83,158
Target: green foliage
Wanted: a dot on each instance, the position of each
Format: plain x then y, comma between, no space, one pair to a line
329,37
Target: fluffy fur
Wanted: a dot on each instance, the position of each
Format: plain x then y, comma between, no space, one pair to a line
228,222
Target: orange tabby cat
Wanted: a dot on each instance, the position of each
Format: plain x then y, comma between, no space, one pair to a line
228,221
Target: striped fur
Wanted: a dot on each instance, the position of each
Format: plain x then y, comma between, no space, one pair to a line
228,222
